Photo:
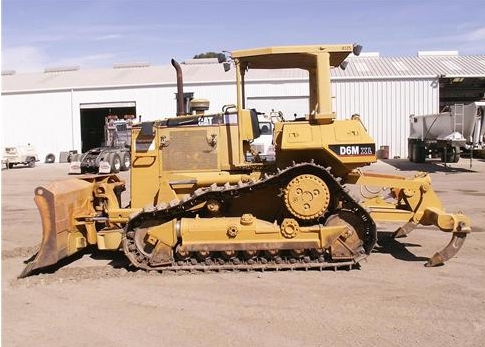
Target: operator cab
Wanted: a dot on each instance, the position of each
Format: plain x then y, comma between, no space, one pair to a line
317,60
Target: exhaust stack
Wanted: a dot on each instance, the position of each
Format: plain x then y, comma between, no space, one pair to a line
180,89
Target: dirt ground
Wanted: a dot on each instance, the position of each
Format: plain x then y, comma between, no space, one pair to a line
392,300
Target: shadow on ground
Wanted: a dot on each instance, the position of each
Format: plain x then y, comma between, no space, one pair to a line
397,248
116,259
433,165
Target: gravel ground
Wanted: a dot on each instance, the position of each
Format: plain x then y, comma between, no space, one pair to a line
392,300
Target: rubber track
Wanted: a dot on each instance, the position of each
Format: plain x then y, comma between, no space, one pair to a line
176,209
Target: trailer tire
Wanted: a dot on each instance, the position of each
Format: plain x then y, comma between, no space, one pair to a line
115,162
419,152
411,151
125,161
452,156
456,157
79,157
31,162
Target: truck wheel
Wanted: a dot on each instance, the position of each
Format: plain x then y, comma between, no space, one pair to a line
115,163
452,155
419,153
444,158
31,162
10,165
456,157
125,161
411,151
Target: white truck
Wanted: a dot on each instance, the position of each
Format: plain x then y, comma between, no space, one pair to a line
263,147
447,134
114,156
19,155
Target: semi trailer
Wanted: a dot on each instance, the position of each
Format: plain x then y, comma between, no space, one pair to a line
458,128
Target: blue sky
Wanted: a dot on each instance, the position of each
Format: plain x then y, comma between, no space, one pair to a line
38,34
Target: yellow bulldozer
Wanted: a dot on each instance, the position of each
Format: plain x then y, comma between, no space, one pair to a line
201,198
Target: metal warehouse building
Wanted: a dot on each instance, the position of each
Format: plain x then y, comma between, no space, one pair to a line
63,109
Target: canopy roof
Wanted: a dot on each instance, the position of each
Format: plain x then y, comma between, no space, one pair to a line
287,57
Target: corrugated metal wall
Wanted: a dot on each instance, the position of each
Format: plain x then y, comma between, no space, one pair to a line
385,106
42,119
289,97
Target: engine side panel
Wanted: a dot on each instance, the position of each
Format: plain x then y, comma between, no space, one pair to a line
344,144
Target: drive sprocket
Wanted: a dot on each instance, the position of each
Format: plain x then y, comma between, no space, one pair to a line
307,197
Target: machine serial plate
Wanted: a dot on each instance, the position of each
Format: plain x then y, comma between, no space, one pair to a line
354,150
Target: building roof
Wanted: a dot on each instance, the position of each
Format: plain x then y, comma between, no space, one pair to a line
425,65
366,66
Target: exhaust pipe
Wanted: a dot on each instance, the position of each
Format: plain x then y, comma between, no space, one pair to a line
180,89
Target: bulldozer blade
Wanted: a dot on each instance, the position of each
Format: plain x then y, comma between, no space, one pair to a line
449,251
59,205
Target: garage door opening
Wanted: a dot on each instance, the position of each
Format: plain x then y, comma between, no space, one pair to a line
461,90
93,119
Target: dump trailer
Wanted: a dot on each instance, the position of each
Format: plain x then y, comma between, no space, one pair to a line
113,156
447,134
198,202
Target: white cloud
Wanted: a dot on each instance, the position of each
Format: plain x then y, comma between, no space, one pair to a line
27,59
88,61
471,42
476,35
107,37
23,59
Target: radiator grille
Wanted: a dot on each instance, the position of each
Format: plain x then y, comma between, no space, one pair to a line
188,150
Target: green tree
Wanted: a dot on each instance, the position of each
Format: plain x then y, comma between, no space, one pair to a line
221,57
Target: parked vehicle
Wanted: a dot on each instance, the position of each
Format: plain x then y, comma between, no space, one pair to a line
262,148
20,155
447,134
114,156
